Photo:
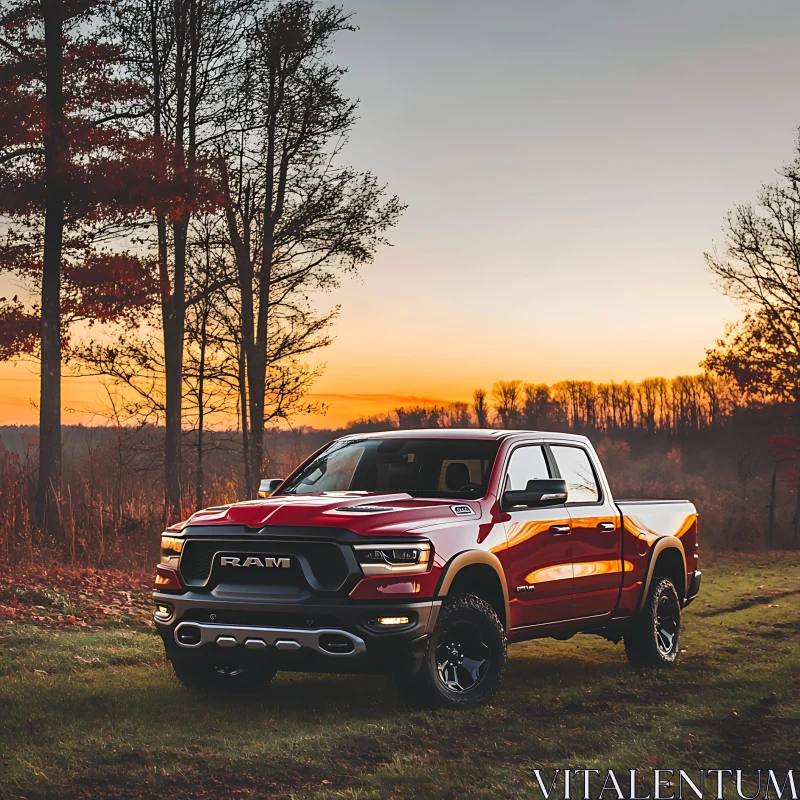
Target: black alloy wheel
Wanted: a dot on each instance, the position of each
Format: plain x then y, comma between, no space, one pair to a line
465,659
462,657
668,620
653,636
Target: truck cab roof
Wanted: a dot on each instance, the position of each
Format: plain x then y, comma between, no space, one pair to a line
486,434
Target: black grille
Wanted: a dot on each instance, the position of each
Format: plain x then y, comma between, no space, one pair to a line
261,576
196,560
325,561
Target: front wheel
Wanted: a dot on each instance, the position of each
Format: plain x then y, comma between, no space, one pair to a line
653,639
208,676
465,658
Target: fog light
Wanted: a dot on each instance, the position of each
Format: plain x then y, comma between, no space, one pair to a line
393,621
163,611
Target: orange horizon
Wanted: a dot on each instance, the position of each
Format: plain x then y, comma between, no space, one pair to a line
82,399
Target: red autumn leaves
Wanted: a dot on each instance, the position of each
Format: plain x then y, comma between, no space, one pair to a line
61,596
115,176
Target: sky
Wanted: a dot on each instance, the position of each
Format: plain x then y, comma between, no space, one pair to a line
565,164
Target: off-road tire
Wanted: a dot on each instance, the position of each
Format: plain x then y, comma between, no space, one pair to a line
206,676
465,659
653,639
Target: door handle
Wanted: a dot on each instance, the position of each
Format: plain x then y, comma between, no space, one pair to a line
559,530
606,526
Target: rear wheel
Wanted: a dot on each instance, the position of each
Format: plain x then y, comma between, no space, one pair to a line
223,677
465,659
653,639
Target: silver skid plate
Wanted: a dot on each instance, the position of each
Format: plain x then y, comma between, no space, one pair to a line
258,638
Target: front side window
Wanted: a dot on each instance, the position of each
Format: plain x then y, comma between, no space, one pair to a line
457,468
576,469
526,464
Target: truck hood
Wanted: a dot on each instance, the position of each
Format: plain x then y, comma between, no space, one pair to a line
361,512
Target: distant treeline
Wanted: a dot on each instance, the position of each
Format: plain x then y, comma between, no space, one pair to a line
679,406
686,437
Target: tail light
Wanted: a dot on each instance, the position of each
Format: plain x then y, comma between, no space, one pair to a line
167,578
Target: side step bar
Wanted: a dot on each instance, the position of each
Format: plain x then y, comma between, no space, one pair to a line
327,641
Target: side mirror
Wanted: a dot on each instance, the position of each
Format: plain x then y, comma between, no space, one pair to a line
268,486
537,494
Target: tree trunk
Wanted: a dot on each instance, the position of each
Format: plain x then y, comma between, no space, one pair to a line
771,518
245,427
117,512
256,350
255,362
257,355
174,330
175,321
245,274
796,520
170,322
194,26
256,388
55,148
200,477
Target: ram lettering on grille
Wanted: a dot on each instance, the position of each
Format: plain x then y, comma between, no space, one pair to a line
255,561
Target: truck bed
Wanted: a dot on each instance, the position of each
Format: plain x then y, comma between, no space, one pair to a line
656,518
644,523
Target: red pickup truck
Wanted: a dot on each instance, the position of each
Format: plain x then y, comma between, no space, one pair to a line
422,554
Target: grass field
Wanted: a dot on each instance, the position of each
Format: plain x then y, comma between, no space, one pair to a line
98,714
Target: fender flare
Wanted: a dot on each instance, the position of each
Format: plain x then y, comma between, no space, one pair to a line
469,558
664,543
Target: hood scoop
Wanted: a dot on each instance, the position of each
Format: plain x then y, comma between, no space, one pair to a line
365,509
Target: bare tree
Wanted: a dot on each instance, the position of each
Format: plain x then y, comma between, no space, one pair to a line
759,266
507,396
480,407
538,409
456,415
187,53
208,392
296,219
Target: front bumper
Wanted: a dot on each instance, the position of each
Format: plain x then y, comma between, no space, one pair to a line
315,634
325,641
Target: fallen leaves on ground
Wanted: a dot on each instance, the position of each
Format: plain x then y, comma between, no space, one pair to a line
60,596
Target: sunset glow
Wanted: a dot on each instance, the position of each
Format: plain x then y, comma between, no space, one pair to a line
552,247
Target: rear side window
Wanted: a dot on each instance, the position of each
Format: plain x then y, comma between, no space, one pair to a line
526,464
576,469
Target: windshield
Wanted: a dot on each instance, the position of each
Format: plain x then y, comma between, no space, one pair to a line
457,468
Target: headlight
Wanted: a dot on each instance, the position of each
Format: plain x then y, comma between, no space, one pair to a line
390,559
171,550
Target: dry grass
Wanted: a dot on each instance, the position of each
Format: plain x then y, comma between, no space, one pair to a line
111,508
98,714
